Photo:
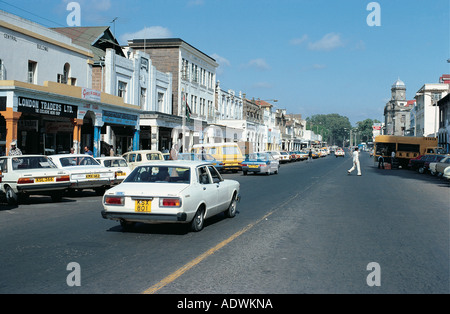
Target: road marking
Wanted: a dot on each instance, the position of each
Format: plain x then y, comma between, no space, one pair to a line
175,275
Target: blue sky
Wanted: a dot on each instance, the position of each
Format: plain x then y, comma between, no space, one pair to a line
313,56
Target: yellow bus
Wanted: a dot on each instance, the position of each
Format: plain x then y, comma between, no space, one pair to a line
405,147
227,153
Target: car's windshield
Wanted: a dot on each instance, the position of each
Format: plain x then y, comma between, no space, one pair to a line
258,156
78,161
115,163
39,162
159,174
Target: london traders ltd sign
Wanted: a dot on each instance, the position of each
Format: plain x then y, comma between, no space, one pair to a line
28,105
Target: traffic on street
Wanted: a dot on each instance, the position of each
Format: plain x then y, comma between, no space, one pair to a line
312,228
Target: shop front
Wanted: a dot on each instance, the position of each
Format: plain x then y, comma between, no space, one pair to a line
54,118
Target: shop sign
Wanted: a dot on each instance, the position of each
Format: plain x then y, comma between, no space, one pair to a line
119,118
28,105
91,94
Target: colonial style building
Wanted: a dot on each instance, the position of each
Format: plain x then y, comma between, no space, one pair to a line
444,123
193,86
47,103
427,109
397,111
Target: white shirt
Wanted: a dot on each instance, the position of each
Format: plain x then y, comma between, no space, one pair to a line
355,156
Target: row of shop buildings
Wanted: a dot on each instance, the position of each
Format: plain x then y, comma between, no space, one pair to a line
76,86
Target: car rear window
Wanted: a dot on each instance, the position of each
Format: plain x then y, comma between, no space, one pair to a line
159,174
32,163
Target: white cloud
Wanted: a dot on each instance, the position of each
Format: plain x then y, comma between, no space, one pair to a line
329,42
259,64
223,63
148,33
299,41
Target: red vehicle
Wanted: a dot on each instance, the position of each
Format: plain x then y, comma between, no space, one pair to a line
422,162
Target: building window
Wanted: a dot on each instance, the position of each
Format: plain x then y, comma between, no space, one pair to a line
161,102
185,69
143,97
32,72
2,71
122,90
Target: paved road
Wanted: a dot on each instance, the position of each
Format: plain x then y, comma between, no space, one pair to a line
310,229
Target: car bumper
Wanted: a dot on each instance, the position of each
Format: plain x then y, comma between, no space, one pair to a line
43,187
146,218
90,184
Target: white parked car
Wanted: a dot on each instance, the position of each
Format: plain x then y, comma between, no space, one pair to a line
186,192
116,164
85,172
275,154
438,168
446,173
140,157
26,175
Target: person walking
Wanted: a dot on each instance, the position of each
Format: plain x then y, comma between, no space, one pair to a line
356,164
87,151
310,155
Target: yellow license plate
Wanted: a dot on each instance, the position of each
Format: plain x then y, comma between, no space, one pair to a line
143,206
121,174
41,180
253,166
92,176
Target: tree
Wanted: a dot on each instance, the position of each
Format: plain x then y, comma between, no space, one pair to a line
333,127
365,130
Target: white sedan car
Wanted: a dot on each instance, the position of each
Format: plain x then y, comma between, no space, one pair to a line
26,175
116,164
171,192
85,172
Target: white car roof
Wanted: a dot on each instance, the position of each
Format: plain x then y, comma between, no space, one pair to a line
175,163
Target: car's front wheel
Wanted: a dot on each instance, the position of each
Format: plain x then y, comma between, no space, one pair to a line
198,221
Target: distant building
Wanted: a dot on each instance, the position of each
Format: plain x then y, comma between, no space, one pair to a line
427,110
444,123
397,111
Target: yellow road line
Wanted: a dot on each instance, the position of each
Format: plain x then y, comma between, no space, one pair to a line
172,277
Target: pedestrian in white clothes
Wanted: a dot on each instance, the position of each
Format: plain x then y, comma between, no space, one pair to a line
356,164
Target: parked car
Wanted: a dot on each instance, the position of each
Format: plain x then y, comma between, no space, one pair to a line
116,164
416,163
140,157
446,173
202,157
85,172
275,154
186,192
26,175
284,157
438,167
260,163
339,153
303,155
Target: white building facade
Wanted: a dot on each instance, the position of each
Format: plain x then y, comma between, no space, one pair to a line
427,110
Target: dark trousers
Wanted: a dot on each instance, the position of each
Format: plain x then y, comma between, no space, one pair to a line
380,162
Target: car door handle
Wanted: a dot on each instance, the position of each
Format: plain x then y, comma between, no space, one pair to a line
204,189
